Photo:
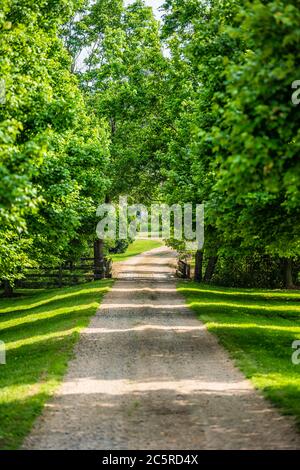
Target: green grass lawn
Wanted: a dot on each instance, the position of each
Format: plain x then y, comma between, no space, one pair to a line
39,328
136,248
257,327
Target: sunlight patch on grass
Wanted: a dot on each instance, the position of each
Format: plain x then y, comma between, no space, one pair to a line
266,326
288,307
35,317
268,294
25,297
39,329
257,327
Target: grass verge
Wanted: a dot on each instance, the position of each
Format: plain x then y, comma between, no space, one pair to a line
136,248
257,327
39,328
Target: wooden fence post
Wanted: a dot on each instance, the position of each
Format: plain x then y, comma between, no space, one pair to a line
60,276
8,289
98,259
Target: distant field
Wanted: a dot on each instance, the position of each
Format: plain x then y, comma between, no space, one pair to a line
136,248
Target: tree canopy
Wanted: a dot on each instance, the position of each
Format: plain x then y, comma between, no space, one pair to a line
102,99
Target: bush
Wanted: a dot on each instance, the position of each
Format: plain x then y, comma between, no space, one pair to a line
254,270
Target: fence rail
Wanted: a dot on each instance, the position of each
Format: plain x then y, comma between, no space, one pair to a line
68,274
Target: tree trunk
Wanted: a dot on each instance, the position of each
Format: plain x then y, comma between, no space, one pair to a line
198,266
8,289
98,259
210,268
113,126
288,273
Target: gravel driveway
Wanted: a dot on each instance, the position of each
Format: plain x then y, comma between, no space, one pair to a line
148,375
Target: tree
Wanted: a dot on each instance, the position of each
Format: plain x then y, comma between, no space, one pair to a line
200,49
44,126
258,180
123,78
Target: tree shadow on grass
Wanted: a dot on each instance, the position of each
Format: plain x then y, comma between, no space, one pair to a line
38,351
238,294
209,302
35,300
258,330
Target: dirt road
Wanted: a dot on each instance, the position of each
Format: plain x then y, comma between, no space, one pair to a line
148,375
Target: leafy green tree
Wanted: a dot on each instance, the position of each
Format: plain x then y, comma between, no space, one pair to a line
124,76
236,143
99,101
258,180
52,152
200,50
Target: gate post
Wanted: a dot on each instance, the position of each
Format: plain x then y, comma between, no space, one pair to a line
198,265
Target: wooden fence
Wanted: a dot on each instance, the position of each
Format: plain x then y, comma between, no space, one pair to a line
87,269
183,270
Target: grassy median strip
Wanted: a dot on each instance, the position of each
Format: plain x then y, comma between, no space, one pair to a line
39,329
258,328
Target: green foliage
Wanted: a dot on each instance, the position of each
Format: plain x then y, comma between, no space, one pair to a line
53,151
123,77
259,173
236,144
245,269
197,110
